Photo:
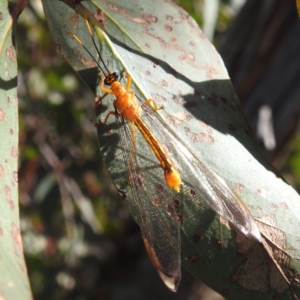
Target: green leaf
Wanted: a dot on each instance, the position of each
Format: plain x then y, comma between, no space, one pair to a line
13,281
172,62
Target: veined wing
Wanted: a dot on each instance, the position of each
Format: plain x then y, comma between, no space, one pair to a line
204,182
155,204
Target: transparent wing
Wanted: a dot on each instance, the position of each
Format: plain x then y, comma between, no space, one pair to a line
203,181
155,205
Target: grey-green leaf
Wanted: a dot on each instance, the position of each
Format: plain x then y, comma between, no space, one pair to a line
172,62
14,282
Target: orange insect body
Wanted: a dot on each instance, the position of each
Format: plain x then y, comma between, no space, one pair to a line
130,109
125,102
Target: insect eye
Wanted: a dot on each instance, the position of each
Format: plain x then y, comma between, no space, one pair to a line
116,75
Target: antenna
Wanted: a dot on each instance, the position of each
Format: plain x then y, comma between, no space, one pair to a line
86,49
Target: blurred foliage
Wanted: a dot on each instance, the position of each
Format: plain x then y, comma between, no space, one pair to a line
80,242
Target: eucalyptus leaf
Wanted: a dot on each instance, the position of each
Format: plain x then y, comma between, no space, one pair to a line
14,282
172,62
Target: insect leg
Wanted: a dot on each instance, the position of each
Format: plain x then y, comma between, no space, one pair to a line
128,84
108,115
153,104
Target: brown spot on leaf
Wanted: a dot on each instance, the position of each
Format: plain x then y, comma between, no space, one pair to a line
192,193
75,18
100,17
189,57
180,218
200,137
283,206
164,83
239,187
262,192
10,53
156,201
159,188
87,63
169,18
16,235
2,115
8,197
168,28
212,101
274,207
150,18
158,98
2,172
196,238
210,71
179,100
14,152
145,20
162,43
172,210
178,118
176,203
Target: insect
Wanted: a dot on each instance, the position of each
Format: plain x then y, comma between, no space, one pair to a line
160,175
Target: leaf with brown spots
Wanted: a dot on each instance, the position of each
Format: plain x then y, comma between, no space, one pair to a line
172,62
14,283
